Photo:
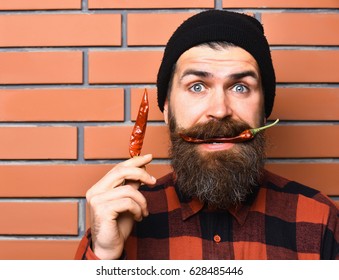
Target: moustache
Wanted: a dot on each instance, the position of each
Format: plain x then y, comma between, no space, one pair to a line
214,129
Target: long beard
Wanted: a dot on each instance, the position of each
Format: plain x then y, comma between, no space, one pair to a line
220,179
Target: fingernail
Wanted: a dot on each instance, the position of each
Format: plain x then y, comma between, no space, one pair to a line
148,156
139,220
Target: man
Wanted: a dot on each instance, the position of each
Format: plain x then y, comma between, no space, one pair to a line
216,79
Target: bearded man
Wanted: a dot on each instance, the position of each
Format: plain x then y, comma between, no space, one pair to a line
216,80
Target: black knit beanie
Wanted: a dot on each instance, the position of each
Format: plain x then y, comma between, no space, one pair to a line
215,25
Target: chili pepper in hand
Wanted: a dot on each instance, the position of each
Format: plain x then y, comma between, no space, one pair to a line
242,137
138,133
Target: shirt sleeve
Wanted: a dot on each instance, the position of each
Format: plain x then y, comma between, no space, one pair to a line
330,246
84,251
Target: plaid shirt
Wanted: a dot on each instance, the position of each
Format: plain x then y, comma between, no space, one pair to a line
281,220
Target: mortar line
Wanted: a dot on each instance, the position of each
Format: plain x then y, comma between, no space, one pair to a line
82,217
124,29
85,74
85,8
218,4
39,199
81,145
127,105
84,5
125,47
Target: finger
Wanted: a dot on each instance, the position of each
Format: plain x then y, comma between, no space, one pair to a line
133,176
137,175
133,160
134,184
113,196
109,212
119,174
138,161
130,206
115,176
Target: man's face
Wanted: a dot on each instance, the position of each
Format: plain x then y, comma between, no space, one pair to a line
214,84
216,93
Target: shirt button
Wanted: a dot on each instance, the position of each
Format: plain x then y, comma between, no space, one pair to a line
217,238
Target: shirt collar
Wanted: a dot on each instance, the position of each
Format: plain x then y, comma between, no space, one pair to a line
188,209
240,213
189,206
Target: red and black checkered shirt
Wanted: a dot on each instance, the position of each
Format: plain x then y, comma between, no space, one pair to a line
281,220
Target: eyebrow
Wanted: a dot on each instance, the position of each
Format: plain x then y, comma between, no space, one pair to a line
233,76
239,76
198,73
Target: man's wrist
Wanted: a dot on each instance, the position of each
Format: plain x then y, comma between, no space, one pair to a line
104,254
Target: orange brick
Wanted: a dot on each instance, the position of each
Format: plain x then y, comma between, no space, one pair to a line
41,67
62,105
42,218
152,29
123,66
60,30
303,141
136,96
38,249
280,4
294,29
151,4
38,143
304,66
324,175
63,180
113,142
39,4
306,104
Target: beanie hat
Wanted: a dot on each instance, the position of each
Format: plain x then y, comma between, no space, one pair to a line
216,25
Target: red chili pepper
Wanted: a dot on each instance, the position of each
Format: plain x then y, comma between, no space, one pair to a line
138,133
242,137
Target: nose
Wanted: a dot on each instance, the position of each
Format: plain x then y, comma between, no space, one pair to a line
219,105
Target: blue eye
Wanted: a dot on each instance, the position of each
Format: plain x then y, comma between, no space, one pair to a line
240,88
199,87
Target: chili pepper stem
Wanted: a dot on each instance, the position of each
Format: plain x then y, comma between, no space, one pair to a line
256,130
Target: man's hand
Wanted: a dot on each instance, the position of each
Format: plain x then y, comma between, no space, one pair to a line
115,203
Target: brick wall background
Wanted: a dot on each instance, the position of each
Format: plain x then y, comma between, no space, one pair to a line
71,77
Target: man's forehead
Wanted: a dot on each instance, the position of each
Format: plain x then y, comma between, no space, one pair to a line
203,54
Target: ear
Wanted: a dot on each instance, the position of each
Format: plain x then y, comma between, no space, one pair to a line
166,111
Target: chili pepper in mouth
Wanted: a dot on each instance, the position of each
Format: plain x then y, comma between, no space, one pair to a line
139,129
246,135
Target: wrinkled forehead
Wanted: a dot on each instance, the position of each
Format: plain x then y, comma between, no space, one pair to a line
205,56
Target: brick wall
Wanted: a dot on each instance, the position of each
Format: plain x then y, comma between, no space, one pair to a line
71,77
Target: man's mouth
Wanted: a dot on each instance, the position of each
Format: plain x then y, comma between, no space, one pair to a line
214,140
215,146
